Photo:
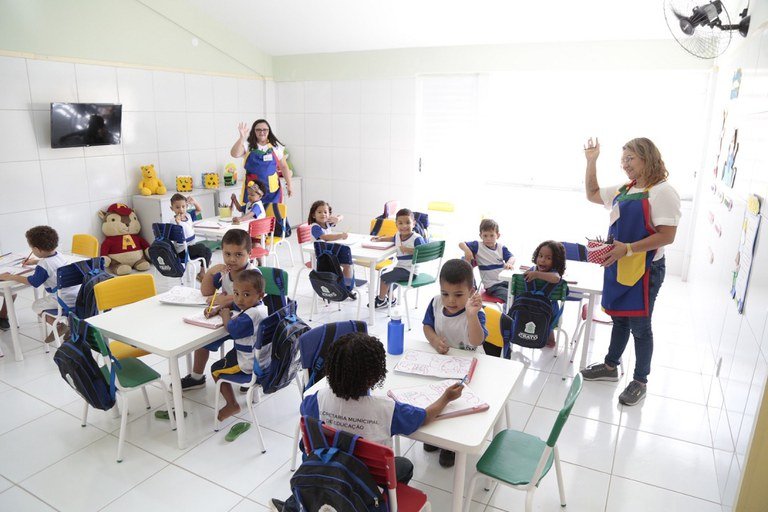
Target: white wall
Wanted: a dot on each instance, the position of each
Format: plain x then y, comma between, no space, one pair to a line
181,123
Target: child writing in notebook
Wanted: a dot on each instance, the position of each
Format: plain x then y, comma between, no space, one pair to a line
43,241
253,209
454,319
322,221
219,282
355,365
242,326
406,240
549,266
179,205
491,258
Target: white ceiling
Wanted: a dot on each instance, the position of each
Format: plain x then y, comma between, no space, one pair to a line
288,27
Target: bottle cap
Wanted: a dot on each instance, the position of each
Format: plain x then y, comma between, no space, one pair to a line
396,314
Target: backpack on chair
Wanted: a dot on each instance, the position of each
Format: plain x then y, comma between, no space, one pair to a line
162,252
532,315
332,478
282,226
279,333
93,274
327,279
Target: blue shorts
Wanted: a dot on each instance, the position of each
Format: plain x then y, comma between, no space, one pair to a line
215,345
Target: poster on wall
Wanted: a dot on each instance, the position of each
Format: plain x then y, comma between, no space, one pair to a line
729,167
749,228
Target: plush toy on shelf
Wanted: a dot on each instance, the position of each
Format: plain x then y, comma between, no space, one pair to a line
150,183
211,180
230,174
183,183
123,249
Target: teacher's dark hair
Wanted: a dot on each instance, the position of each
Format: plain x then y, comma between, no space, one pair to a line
252,141
356,363
646,150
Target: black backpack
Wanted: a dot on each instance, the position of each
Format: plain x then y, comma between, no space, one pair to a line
332,478
279,333
93,273
316,343
327,279
79,369
532,315
282,226
162,252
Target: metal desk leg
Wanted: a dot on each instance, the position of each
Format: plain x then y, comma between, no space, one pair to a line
459,471
178,404
587,330
11,309
371,294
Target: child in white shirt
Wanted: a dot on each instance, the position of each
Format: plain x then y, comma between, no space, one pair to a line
406,240
179,205
491,258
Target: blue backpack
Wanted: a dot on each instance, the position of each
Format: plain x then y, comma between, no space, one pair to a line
316,343
79,369
332,478
162,252
327,279
534,314
91,273
279,333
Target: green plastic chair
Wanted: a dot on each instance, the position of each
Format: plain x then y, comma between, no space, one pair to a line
521,460
132,374
421,254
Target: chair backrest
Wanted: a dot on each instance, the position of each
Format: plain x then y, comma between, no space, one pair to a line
574,251
304,233
175,231
519,286
281,208
562,416
380,459
315,343
391,208
85,245
260,227
124,290
428,252
71,275
498,325
275,280
388,227
440,206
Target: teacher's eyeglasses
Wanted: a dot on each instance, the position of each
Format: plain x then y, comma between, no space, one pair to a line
261,130
627,159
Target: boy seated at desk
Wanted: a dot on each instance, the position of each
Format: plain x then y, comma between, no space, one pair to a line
43,241
179,205
454,319
356,364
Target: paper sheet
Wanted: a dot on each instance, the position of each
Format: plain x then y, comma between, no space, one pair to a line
434,365
749,230
426,395
183,296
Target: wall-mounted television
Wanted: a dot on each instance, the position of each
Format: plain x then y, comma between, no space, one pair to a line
85,124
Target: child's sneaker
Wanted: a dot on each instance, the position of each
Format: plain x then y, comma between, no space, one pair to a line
353,295
5,324
393,302
600,371
380,303
189,382
633,393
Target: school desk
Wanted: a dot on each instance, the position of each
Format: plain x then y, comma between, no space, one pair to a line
211,233
492,381
365,257
159,328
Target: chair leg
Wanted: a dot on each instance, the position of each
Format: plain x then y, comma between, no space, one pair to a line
85,414
295,446
146,397
508,415
397,446
470,491
189,362
123,423
166,399
216,406
290,251
296,284
529,499
560,486
407,310
249,400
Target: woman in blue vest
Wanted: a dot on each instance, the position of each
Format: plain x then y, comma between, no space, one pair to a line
644,216
264,160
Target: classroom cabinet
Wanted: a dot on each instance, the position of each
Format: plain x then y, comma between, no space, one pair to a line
156,208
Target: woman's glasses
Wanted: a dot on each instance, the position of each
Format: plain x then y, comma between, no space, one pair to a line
261,130
627,159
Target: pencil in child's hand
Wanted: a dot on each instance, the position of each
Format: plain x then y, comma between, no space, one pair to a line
26,260
213,301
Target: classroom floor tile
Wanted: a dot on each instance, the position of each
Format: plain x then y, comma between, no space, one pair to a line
632,496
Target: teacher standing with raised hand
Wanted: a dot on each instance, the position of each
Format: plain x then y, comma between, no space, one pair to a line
264,160
644,216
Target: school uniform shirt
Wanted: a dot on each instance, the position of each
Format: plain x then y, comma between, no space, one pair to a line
318,230
223,281
663,200
454,328
375,418
45,275
257,208
189,233
243,328
490,261
405,260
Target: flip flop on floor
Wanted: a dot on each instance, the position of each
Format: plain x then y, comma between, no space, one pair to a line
236,430
163,415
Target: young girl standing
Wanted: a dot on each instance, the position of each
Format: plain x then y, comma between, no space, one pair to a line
549,266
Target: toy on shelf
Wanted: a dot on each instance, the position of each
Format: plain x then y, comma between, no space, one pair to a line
150,183
123,249
211,180
230,174
184,183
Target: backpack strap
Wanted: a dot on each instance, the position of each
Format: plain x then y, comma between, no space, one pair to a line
345,441
329,335
317,440
379,222
277,276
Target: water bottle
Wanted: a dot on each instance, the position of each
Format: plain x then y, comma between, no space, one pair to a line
395,332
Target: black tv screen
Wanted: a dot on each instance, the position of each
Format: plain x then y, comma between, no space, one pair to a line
85,124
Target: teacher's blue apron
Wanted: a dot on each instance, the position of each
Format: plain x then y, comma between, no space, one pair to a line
626,283
262,165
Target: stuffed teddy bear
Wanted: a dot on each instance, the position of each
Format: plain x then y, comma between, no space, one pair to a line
123,249
150,183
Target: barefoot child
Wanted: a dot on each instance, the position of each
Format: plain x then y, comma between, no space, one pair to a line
242,327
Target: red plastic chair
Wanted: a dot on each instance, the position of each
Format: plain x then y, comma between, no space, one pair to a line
381,463
260,231
304,235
